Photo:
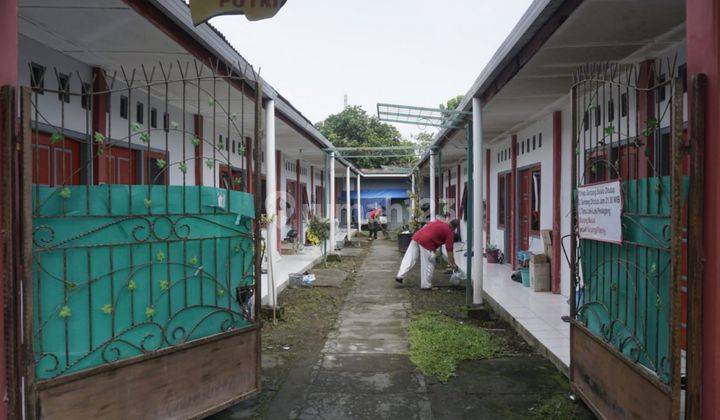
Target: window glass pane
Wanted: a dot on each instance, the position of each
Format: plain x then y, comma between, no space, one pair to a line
37,78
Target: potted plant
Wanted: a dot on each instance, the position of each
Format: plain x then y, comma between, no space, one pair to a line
318,230
492,253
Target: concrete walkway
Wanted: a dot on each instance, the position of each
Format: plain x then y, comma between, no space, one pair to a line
364,370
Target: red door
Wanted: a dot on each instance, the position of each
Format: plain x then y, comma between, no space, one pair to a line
231,178
122,166
55,163
525,191
319,200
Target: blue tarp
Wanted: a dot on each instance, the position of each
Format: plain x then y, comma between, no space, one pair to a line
388,194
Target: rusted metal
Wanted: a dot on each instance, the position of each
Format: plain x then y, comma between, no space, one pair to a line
677,154
573,221
24,185
8,155
611,385
259,133
696,254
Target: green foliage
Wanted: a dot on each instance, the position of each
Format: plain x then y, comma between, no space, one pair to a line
320,228
438,343
160,163
453,103
160,256
164,285
558,407
196,141
183,167
136,127
107,309
65,193
56,138
423,139
150,312
145,137
353,127
65,312
148,203
99,138
132,286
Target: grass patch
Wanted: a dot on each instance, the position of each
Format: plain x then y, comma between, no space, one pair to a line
560,407
438,343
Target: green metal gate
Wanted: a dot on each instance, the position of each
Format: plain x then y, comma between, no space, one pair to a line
138,256
626,336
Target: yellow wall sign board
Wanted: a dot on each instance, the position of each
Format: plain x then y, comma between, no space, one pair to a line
203,10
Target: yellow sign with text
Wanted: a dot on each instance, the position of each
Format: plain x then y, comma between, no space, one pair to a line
203,10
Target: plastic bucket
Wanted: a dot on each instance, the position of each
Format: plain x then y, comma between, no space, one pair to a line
404,240
525,273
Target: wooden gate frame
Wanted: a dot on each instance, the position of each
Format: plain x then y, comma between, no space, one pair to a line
608,382
67,396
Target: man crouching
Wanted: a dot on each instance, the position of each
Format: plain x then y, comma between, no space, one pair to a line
423,245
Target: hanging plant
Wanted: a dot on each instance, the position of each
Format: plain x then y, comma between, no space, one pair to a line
233,116
160,163
150,312
56,138
148,203
609,130
193,261
160,256
196,141
132,286
183,168
220,292
145,137
136,127
210,163
211,101
164,285
107,309
174,125
99,138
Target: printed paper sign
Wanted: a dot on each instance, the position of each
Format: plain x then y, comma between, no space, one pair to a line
203,10
600,209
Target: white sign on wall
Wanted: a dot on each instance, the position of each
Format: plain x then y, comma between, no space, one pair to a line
600,209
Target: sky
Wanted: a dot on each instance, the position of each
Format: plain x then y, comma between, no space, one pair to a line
410,52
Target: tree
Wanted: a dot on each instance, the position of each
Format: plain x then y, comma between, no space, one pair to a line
353,127
423,139
452,103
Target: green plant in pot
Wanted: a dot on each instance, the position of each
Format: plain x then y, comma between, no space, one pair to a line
318,230
492,253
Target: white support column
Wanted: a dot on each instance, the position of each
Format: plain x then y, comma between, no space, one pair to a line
271,182
359,204
432,185
478,194
348,207
331,209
